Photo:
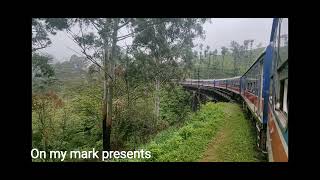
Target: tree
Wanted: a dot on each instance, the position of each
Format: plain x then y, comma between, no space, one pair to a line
43,74
201,46
206,51
40,30
237,50
98,38
163,42
73,71
214,54
251,51
207,56
98,45
43,105
224,51
246,52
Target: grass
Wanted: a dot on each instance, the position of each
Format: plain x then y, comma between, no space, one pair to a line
186,143
217,132
236,141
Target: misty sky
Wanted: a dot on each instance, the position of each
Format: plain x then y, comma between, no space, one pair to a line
220,32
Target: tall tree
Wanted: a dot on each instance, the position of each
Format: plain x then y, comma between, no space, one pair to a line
201,47
236,49
164,42
251,52
43,74
206,51
98,39
214,55
207,56
224,51
246,52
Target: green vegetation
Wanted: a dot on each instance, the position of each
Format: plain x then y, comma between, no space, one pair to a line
187,142
236,140
112,97
66,114
195,139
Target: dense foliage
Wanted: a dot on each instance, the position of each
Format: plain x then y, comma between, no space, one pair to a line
118,98
69,117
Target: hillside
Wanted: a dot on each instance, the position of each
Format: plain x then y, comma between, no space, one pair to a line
222,68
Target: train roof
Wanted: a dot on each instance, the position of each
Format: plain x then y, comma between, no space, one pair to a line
237,77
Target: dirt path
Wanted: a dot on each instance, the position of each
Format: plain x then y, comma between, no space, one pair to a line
235,140
211,153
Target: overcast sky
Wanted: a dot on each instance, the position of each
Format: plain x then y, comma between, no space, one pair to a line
220,32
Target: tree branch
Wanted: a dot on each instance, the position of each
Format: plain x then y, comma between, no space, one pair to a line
38,48
125,36
130,34
95,25
85,53
125,23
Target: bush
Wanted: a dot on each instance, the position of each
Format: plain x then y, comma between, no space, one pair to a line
175,104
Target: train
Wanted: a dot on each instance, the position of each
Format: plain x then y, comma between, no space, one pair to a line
263,92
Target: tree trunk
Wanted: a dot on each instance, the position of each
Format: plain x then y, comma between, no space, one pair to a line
157,98
222,63
235,66
105,132
157,95
109,89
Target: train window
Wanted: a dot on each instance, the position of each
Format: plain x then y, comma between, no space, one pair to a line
283,41
275,47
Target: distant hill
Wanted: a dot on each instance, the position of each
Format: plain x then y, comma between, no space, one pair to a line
219,68
72,72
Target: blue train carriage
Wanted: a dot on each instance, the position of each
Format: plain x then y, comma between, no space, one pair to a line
252,86
224,83
267,79
233,84
208,82
277,136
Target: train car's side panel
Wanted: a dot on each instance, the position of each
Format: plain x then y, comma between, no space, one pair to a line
278,99
279,147
251,87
